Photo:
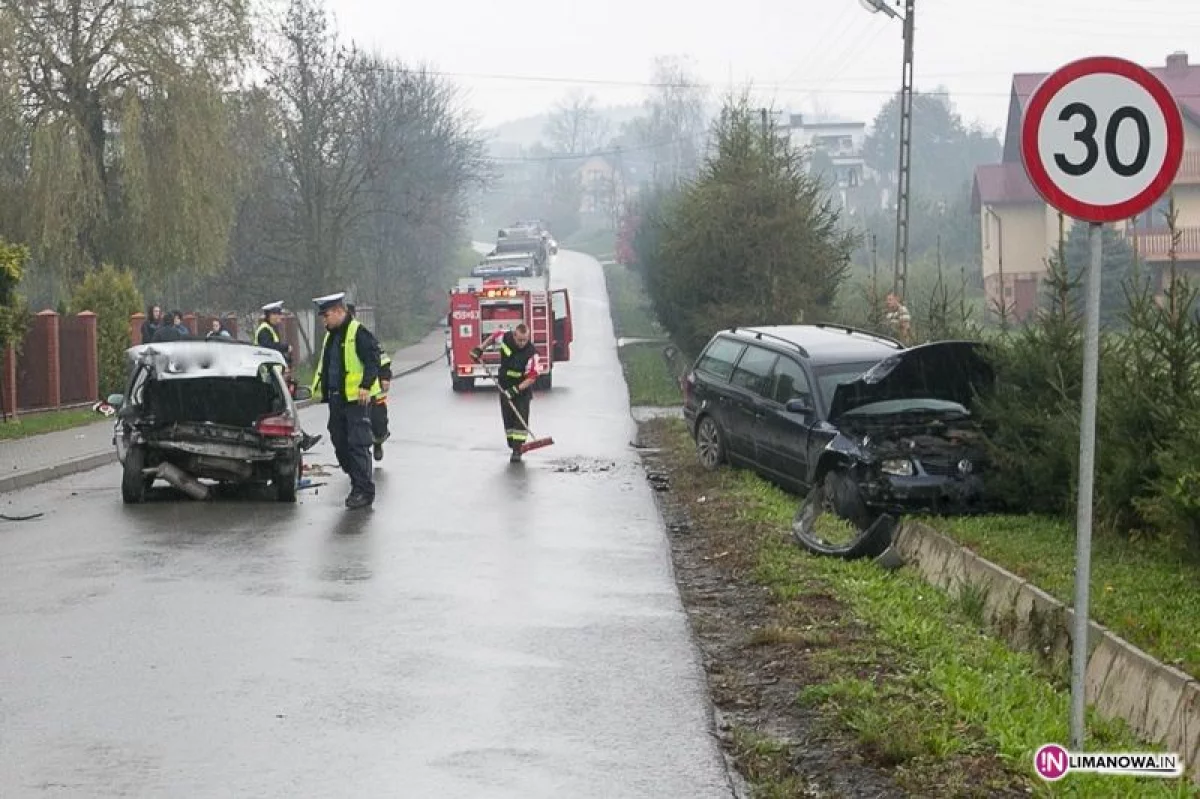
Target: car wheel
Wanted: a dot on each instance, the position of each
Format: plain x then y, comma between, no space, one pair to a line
287,480
710,444
544,382
834,520
134,484
462,383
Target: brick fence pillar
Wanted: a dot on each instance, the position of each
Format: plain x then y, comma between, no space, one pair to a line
91,353
47,322
189,321
8,381
135,328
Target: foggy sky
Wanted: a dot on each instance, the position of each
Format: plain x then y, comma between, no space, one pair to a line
829,56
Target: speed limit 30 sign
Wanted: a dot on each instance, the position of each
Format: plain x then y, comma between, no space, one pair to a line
1102,139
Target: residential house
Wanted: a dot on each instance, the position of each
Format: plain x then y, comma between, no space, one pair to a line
1020,231
606,188
841,142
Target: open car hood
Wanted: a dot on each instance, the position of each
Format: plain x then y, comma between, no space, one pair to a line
182,360
954,371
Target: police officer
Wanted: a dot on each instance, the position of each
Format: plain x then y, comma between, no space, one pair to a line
519,369
347,379
267,335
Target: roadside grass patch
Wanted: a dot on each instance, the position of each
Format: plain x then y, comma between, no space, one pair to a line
647,372
902,669
1146,591
596,242
32,424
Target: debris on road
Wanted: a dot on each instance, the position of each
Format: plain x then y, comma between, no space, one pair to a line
23,518
582,466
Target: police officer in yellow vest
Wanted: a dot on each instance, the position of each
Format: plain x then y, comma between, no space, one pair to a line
347,379
267,335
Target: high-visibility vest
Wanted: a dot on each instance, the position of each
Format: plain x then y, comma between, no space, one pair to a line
350,363
265,324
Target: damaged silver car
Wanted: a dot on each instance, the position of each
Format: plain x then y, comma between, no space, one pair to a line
216,410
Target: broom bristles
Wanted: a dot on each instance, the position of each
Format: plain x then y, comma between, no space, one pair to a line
537,443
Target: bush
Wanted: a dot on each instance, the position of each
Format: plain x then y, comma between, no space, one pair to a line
751,241
1147,475
111,294
14,312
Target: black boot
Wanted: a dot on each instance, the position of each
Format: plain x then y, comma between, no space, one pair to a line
308,441
358,500
516,454
378,453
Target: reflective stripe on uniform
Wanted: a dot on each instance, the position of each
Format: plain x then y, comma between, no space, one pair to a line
351,365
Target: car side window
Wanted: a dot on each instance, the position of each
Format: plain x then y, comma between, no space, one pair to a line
789,382
753,371
719,358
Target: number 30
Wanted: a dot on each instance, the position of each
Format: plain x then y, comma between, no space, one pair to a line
1087,137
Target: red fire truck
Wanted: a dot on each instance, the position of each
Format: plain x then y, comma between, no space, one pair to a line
479,306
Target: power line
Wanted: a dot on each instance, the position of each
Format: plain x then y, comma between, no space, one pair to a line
595,153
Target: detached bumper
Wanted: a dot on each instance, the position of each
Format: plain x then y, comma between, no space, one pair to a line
925,493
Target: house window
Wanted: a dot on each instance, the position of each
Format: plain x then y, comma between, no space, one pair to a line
1155,218
987,230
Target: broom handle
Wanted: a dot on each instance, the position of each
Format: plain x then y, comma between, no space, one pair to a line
508,399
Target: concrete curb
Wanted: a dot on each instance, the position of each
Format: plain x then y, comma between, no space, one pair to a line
1160,703
89,462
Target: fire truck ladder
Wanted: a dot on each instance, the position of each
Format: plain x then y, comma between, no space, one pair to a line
539,325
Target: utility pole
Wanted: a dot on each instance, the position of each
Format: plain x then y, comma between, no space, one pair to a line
900,273
900,279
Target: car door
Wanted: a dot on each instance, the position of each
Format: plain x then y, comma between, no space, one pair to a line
750,385
783,435
710,391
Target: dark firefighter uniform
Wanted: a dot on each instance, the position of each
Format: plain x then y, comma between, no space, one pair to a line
349,362
379,408
517,365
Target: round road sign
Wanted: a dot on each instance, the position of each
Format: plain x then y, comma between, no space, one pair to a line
1102,139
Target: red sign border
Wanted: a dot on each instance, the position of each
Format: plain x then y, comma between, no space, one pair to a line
1040,100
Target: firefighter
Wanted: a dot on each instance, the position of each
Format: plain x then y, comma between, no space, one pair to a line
379,410
347,379
519,369
267,335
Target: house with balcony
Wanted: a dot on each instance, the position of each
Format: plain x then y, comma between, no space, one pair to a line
1020,231
839,141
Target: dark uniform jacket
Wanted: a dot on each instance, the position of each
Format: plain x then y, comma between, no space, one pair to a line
517,364
333,372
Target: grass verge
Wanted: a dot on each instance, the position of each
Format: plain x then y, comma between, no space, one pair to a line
647,371
892,670
596,242
1145,591
46,422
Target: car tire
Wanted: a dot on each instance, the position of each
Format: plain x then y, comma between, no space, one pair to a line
544,382
837,493
462,383
134,484
710,443
287,481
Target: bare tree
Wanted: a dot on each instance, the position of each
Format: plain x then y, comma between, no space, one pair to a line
575,127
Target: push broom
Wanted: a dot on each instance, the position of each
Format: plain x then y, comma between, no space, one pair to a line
534,442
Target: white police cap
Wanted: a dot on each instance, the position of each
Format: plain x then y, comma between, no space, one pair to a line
273,307
328,301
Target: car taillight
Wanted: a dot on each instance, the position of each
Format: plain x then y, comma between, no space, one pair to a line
687,384
280,425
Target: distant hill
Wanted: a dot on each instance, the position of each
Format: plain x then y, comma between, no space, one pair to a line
527,131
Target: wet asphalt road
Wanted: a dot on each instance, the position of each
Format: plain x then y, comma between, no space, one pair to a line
486,630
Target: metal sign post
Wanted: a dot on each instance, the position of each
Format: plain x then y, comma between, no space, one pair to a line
1102,140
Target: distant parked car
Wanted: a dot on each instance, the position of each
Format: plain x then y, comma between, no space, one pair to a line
218,410
862,427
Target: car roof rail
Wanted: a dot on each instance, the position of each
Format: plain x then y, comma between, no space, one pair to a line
848,329
759,334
